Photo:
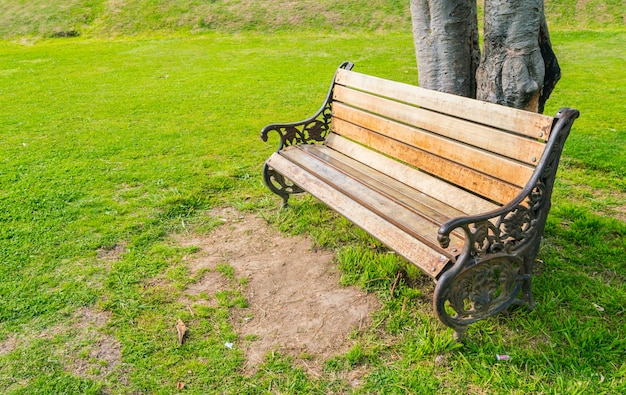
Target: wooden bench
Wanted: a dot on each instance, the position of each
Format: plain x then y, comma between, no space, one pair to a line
459,187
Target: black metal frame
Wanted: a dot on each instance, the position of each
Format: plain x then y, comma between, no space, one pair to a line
494,269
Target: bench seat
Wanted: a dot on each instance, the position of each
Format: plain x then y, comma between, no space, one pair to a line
389,209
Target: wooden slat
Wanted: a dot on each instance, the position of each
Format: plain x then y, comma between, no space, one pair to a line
410,248
480,183
505,169
422,204
438,189
400,216
513,146
519,121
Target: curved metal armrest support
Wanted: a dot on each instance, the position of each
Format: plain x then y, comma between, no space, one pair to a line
497,260
528,211
311,130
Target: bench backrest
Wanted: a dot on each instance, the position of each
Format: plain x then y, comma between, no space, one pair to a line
488,149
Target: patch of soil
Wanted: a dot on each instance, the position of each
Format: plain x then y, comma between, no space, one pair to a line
103,352
296,304
621,212
618,211
111,254
8,345
88,352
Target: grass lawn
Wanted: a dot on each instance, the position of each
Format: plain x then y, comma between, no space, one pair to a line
109,147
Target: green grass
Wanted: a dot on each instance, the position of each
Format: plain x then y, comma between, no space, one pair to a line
588,14
108,147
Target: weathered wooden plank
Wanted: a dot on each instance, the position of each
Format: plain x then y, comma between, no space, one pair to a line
505,169
522,122
497,141
416,252
465,177
422,204
435,187
407,220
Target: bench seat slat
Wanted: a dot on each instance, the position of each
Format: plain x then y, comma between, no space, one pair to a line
465,177
422,204
510,145
431,261
510,171
412,223
440,190
522,122
404,218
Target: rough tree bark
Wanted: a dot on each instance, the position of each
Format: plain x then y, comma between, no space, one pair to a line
446,44
518,67
553,71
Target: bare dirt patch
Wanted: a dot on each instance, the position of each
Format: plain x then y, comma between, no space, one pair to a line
621,212
111,254
296,304
93,353
85,349
616,211
8,345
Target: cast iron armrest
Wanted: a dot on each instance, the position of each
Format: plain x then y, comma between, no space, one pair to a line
512,226
494,269
309,131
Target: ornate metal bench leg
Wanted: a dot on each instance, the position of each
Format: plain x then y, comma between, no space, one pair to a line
478,291
280,185
459,333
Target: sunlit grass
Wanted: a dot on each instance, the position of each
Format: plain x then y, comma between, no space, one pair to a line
108,147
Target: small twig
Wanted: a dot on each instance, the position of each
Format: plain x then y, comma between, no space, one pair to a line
395,282
320,328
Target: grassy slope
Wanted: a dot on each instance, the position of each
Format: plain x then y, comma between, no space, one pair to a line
101,17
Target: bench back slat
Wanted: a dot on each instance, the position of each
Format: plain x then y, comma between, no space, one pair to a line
510,171
438,189
513,146
467,178
485,148
522,122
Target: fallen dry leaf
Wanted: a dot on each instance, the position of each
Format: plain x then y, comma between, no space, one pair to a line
181,328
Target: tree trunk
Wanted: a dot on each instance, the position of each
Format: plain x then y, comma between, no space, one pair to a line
445,33
518,67
553,71
512,69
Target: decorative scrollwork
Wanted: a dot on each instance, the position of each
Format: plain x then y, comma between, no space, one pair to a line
496,264
481,291
280,185
495,268
512,231
313,130
310,131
